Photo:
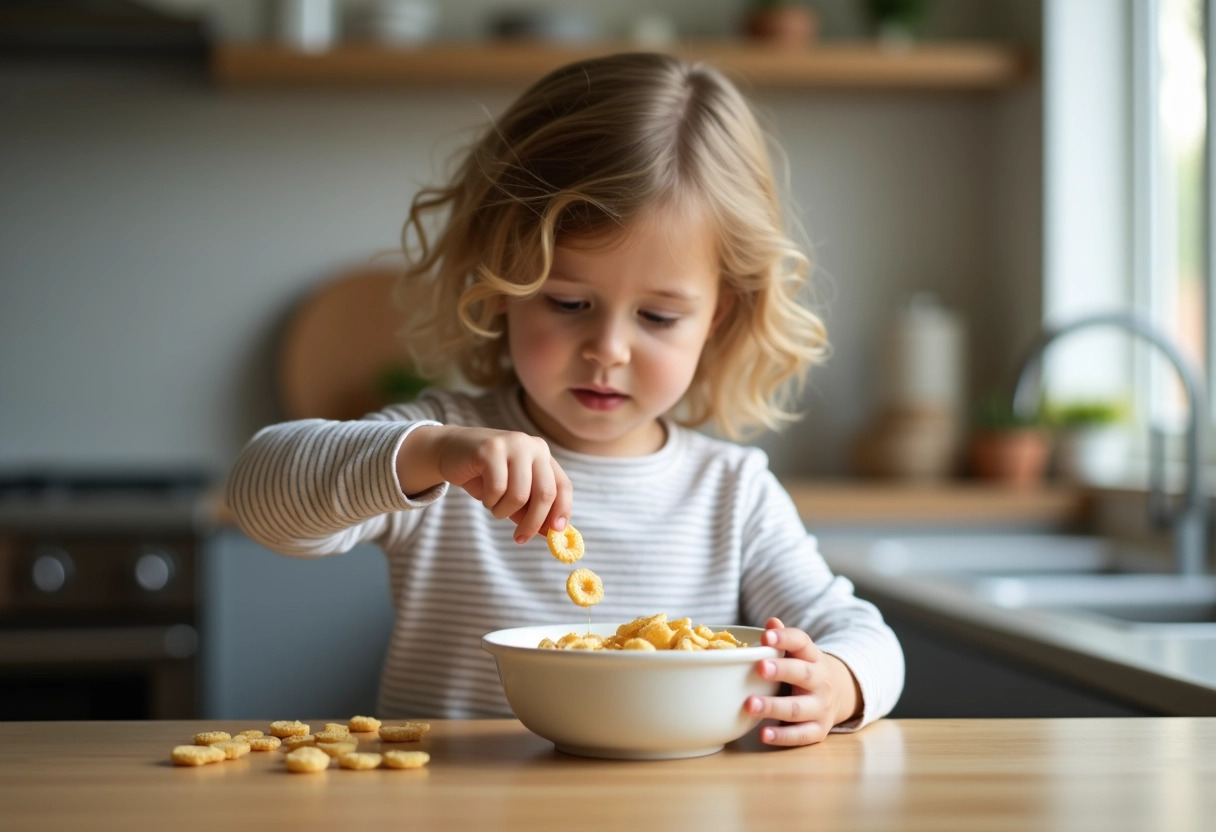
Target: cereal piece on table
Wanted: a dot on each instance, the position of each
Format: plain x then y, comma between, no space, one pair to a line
196,755
566,545
307,759
233,749
337,749
211,737
585,587
253,733
406,759
283,728
298,741
264,743
406,732
359,760
332,736
363,724
335,726
637,644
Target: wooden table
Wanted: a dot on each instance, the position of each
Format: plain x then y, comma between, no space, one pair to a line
932,775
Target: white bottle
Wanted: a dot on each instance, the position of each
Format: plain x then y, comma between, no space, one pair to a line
307,25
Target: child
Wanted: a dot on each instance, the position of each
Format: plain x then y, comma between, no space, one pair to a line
612,269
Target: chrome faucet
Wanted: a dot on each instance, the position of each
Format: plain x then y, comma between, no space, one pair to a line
1190,520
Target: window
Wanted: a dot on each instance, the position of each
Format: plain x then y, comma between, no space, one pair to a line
1172,279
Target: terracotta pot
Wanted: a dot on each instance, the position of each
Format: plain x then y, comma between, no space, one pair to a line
1015,457
786,24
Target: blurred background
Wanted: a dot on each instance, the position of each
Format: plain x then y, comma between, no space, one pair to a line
184,179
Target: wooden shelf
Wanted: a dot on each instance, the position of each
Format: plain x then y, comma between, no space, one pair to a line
929,66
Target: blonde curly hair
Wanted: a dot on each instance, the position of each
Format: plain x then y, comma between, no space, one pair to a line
582,152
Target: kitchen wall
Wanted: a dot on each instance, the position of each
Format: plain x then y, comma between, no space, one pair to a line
155,230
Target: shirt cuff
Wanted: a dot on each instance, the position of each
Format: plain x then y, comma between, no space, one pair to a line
425,498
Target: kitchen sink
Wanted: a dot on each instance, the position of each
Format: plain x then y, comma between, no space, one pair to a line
971,556
1103,580
1151,602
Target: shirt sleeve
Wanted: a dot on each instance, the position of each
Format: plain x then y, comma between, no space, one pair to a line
317,487
784,575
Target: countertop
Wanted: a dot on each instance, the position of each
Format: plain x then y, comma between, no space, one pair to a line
1165,672
874,503
1075,774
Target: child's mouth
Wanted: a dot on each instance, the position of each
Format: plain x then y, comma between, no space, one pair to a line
595,400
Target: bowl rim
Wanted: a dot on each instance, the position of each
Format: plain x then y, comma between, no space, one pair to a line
493,643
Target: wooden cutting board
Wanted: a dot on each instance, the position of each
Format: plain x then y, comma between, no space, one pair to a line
338,344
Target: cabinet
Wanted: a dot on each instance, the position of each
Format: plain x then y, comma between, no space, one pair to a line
950,678
291,638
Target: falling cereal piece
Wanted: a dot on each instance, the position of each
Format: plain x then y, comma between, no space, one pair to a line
585,588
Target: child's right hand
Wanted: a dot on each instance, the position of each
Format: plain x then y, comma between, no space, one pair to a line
511,473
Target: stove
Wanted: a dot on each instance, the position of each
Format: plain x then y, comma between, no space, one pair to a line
99,593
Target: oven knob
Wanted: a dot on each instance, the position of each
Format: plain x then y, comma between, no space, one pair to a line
154,570
52,570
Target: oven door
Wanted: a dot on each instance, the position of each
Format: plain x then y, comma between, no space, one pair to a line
111,672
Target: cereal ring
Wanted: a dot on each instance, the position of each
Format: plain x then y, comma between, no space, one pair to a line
364,723
211,737
307,759
335,726
289,729
359,761
407,732
566,545
337,749
585,588
250,734
638,644
196,755
264,743
298,741
332,736
233,749
406,759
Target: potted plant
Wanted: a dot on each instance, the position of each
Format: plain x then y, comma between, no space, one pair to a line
783,22
1007,447
1093,442
896,21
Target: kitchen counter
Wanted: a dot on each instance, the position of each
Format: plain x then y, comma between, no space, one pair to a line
830,503
1075,774
1164,672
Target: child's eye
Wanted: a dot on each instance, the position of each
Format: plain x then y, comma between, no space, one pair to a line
563,305
658,320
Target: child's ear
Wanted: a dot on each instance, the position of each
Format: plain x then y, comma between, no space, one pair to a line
726,302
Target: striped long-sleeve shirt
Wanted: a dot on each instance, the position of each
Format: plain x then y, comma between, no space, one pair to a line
701,528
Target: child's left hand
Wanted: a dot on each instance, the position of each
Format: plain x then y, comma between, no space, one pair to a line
823,692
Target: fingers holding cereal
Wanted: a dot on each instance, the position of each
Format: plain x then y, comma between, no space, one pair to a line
511,473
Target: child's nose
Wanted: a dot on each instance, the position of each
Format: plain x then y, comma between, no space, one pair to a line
607,342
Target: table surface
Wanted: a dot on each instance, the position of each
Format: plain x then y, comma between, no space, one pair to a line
1065,774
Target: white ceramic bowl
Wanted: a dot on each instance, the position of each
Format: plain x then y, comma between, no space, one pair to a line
627,704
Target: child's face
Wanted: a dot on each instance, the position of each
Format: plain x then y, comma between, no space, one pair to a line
612,340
